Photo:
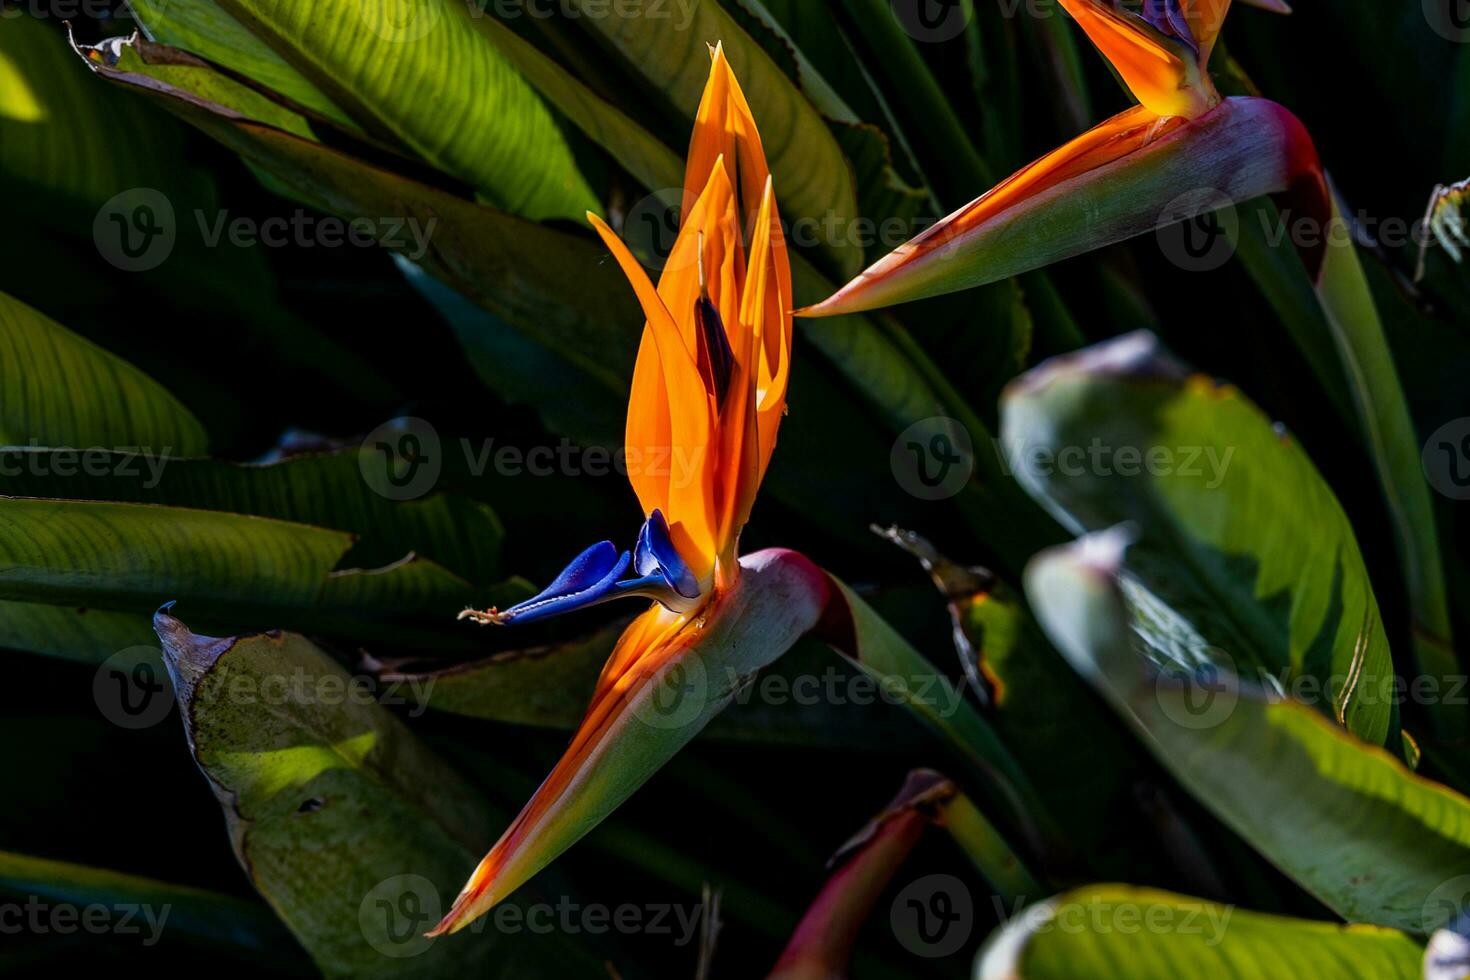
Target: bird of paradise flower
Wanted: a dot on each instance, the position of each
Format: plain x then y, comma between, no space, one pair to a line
709,388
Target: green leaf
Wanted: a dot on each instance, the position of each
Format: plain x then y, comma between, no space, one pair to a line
132,557
1238,533
636,150
1345,343
208,30
879,650
1047,717
419,71
812,179
74,633
1394,446
1346,820
55,139
329,489
232,926
179,69
82,172
345,823
1113,931
514,268
948,153
57,389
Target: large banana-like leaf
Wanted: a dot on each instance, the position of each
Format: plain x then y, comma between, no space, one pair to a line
1109,932
209,30
131,557
230,925
113,405
416,70
325,489
85,164
345,823
811,175
515,268
1238,533
1349,822
53,145
1394,447
636,150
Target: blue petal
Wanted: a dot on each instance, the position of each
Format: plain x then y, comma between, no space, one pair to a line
596,575
592,577
656,554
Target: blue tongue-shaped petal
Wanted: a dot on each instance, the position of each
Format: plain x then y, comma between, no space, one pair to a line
591,578
596,576
656,554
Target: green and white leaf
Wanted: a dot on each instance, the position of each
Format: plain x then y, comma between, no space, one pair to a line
1109,932
1254,564
1346,820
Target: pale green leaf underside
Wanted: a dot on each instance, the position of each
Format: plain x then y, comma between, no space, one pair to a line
1373,841
1111,932
1238,534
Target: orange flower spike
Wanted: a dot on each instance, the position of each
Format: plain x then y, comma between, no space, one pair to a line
708,393
1158,54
